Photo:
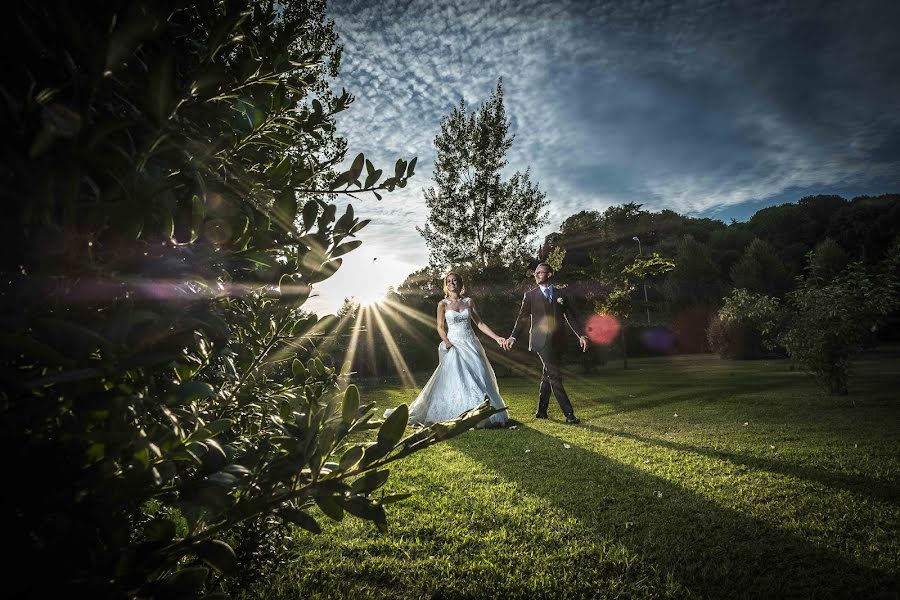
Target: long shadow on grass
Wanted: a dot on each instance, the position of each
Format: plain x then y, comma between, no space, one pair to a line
857,484
714,551
692,392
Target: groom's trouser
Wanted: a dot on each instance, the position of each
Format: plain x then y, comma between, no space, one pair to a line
551,380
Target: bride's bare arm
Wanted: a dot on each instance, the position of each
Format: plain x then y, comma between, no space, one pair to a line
442,325
482,325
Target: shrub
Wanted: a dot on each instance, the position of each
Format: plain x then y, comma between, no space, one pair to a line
745,325
167,170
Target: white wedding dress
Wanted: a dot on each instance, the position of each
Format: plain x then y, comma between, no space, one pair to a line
462,379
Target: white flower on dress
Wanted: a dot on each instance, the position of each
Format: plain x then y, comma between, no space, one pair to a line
559,300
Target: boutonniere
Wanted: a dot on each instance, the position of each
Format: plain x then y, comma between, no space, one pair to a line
559,300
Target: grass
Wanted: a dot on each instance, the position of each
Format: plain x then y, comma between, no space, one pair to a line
689,477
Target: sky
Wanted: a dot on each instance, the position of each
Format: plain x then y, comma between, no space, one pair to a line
711,109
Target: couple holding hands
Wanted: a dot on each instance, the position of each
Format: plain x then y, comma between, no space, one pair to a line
464,375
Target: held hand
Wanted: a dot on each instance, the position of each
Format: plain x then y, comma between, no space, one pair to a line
500,341
583,341
509,343
448,344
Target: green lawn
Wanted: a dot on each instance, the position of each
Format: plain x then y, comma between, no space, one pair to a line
688,477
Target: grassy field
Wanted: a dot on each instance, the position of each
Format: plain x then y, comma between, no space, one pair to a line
688,477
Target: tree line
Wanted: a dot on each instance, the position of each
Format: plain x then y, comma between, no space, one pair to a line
668,282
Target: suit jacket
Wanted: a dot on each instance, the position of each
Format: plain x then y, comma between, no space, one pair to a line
546,320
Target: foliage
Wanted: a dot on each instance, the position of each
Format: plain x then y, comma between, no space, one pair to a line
162,393
556,258
832,318
761,270
620,302
826,260
745,325
696,278
475,217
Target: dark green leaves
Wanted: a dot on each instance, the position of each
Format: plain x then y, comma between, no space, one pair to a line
350,404
216,554
310,212
301,518
345,248
393,427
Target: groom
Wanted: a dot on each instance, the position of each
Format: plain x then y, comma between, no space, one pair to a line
548,311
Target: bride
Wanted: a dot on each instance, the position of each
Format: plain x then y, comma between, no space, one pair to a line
463,376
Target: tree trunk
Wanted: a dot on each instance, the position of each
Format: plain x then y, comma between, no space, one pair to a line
624,349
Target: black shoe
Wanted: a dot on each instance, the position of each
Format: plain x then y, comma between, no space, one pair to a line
573,420
540,415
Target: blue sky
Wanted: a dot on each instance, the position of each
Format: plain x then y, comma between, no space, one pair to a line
706,108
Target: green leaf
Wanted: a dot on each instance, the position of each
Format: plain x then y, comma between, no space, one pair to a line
393,498
350,404
159,530
369,482
372,178
218,426
298,370
363,508
392,429
399,168
411,169
301,518
310,212
286,208
184,583
216,554
359,225
190,391
345,248
356,168
350,458
330,507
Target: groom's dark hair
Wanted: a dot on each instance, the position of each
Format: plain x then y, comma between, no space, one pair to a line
545,265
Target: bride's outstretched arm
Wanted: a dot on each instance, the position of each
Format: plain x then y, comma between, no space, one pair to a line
482,326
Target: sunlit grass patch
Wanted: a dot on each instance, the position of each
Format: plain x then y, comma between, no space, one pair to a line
686,478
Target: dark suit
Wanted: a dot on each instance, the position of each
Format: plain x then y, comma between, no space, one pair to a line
547,321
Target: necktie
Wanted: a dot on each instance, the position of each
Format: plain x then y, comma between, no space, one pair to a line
548,294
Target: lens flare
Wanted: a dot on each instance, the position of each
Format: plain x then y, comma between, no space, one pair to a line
602,329
658,339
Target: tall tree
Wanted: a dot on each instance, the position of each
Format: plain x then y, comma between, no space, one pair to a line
475,217
761,270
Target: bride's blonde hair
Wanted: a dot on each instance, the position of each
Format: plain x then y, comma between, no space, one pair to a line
462,285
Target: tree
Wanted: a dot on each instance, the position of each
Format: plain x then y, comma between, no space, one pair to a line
163,406
826,260
620,302
474,216
761,270
745,326
831,318
696,277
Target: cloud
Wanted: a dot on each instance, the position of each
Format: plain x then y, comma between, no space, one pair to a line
691,105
